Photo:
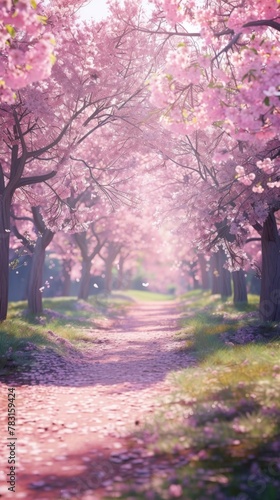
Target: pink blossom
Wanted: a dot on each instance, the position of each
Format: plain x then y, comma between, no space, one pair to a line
272,91
267,165
273,184
257,189
175,490
240,170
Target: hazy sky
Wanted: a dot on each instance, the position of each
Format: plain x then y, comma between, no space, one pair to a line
96,9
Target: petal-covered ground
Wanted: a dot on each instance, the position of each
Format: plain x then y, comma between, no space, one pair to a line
76,418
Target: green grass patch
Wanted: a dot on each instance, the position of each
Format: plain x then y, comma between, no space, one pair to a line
66,317
199,300
114,304
144,296
15,336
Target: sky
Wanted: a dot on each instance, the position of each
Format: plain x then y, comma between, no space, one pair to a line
96,9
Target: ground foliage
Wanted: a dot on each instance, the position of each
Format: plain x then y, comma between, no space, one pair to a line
61,328
223,418
215,435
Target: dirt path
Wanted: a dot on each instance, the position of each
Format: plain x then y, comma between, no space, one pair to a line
76,419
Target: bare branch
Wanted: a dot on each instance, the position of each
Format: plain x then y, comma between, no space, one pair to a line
228,46
27,181
263,22
252,239
2,181
39,152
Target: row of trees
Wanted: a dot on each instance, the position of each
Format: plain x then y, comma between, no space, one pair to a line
219,94
172,109
55,161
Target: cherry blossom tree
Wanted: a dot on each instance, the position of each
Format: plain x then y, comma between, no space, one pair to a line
45,236
90,244
208,138
229,58
64,249
97,79
222,76
27,47
128,232
197,200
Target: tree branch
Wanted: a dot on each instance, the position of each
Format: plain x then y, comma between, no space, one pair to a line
228,46
80,239
263,22
2,180
39,152
26,181
258,227
23,239
38,219
15,217
17,170
252,239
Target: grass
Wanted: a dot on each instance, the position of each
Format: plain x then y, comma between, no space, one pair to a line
65,316
145,296
15,335
198,300
223,418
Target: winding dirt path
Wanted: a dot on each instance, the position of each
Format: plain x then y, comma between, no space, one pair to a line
77,419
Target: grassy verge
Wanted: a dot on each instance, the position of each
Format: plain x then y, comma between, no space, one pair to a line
143,296
64,318
223,420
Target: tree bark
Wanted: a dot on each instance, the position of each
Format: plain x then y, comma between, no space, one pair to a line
205,279
195,281
85,280
270,280
225,277
113,249
5,205
35,303
221,277
83,244
108,275
239,288
121,273
215,289
66,278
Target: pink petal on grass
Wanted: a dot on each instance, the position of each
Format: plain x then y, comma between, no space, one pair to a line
175,490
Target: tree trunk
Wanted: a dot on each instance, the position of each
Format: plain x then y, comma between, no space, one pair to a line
239,288
121,273
85,280
195,281
113,250
221,276
35,303
205,278
225,277
108,275
66,278
83,244
270,280
5,206
215,274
